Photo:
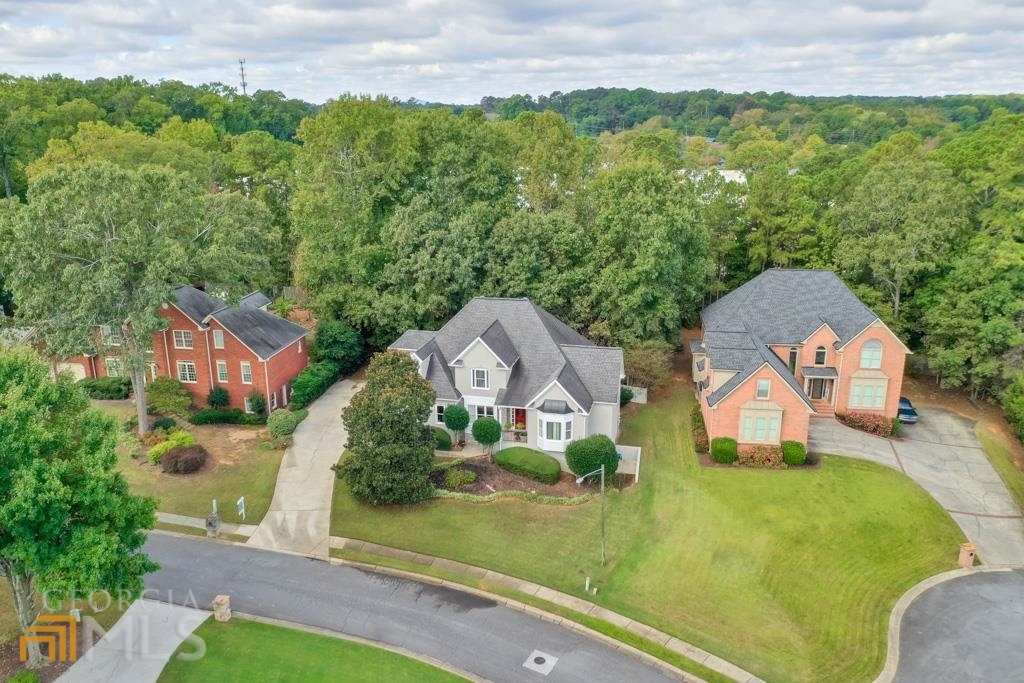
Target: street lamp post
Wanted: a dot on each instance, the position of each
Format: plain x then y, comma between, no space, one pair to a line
579,480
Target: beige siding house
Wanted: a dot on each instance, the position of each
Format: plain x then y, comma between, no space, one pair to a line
512,360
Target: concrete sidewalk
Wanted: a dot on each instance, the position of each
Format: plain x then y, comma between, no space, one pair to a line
299,519
199,523
138,646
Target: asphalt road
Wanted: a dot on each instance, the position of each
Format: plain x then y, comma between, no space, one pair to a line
967,629
469,632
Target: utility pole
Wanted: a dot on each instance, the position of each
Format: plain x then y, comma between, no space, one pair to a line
241,66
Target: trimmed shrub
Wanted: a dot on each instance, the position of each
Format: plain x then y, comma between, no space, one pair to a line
175,440
184,459
486,431
872,423
454,478
625,396
164,423
218,398
107,388
583,456
24,677
283,422
312,382
211,416
794,453
442,439
763,456
529,463
257,402
167,396
456,418
337,341
724,450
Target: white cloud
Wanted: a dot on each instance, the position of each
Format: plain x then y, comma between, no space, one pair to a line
461,50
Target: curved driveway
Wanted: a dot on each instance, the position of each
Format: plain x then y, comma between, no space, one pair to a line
966,629
472,633
942,454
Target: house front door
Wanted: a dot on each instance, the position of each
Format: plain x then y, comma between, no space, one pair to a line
821,389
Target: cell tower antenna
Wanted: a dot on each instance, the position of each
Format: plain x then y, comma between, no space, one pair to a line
241,70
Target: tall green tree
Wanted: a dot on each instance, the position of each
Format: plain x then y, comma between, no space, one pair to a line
390,450
103,245
67,519
901,224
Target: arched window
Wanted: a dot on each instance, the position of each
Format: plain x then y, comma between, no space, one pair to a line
871,354
819,355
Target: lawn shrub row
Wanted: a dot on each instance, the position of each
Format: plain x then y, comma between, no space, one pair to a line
107,388
530,463
312,382
442,439
700,431
283,422
762,456
724,450
872,423
233,416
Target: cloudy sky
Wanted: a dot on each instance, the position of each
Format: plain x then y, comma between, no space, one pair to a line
461,50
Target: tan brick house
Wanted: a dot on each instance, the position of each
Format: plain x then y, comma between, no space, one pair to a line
787,345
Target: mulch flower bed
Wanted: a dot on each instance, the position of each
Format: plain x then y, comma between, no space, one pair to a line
491,478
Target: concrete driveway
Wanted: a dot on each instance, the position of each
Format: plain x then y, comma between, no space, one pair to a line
967,629
299,518
942,454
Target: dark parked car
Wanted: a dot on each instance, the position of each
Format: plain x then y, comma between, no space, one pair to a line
906,413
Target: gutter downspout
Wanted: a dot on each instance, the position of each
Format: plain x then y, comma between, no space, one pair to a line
266,385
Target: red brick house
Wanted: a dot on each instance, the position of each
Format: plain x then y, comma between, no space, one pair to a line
788,345
207,344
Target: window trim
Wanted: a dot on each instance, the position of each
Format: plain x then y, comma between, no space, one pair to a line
824,356
243,366
871,345
110,335
487,378
794,358
186,335
223,377
181,375
486,408
565,431
878,389
218,339
439,413
273,401
116,362
767,384
749,427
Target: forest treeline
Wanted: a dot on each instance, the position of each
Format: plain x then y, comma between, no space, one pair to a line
393,216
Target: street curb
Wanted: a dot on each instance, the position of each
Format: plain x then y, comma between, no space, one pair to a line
569,624
892,658
426,659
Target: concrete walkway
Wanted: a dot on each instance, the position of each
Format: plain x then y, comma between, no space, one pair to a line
197,523
138,646
299,519
942,454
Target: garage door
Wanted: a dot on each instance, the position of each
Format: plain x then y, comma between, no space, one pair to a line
77,370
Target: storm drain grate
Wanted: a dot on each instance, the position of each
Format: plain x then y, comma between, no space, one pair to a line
541,662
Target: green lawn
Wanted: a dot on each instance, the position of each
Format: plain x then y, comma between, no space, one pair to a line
246,468
790,574
251,651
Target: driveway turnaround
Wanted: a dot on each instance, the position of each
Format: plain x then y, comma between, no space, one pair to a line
966,629
138,646
942,454
299,518
469,632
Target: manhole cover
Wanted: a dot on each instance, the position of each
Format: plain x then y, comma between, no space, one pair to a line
541,662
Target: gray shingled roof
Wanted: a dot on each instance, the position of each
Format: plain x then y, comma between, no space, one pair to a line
254,300
779,306
812,371
783,306
497,341
412,340
539,348
438,372
263,332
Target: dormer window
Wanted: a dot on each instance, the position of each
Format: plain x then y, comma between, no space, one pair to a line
481,379
820,355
